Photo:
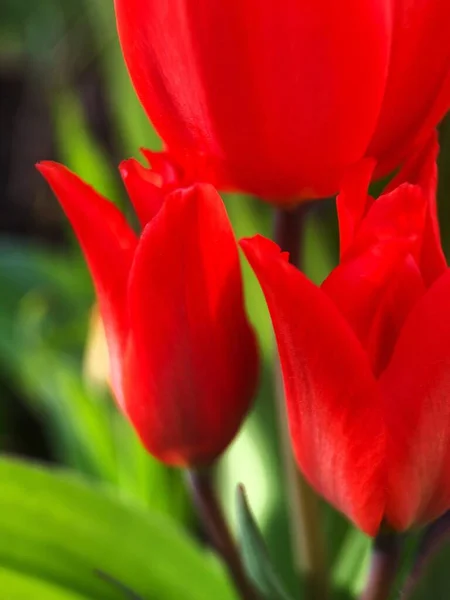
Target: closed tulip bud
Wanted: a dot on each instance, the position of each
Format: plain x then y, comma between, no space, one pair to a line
279,97
183,356
366,356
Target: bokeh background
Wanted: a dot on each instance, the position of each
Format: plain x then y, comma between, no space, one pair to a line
65,95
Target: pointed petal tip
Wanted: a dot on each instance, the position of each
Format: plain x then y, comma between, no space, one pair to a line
46,166
60,178
164,163
259,247
41,165
132,168
125,167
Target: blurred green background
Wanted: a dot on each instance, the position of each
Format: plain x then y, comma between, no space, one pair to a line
65,95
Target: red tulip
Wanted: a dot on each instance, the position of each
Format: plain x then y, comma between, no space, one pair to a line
366,356
183,355
279,97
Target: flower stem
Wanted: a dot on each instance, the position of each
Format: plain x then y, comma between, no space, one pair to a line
303,504
383,567
211,514
433,538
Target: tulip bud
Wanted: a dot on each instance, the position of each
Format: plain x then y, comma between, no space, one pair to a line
183,356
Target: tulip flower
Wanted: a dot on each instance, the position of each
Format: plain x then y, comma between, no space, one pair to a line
183,355
366,356
279,97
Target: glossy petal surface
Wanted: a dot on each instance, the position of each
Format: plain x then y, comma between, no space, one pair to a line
418,88
353,202
364,283
253,88
400,294
192,363
416,389
144,189
335,413
421,170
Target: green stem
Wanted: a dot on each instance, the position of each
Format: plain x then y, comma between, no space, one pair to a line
432,540
211,514
303,504
383,567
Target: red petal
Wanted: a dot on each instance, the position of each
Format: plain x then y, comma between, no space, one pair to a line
164,164
385,237
418,88
421,170
416,387
193,367
353,202
400,295
257,88
398,215
144,189
334,409
109,245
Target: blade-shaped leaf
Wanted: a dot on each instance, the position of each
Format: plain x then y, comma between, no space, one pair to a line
254,553
350,568
19,586
60,530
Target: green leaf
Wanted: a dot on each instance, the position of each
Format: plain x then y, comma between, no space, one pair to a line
18,586
43,317
79,149
64,532
254,553
350,568
131,123
434,581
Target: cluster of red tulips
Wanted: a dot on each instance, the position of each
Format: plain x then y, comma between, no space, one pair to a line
291,100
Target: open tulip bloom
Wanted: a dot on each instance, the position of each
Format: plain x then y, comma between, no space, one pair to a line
279,97
365,356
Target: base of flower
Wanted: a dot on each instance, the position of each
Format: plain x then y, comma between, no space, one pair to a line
210,512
